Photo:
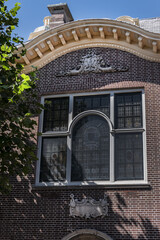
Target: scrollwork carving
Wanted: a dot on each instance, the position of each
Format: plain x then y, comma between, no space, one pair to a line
92,63
88,207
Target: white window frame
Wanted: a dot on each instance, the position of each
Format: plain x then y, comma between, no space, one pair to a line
67,133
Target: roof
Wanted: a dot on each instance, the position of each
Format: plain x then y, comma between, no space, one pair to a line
150,24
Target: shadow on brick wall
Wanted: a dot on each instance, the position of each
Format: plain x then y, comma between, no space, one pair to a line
44,214
131,226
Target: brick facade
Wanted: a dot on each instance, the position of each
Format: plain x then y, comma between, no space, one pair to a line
31,212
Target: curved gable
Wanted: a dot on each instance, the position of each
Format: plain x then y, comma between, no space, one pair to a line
91,33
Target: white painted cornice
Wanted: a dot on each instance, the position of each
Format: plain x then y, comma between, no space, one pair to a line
90,33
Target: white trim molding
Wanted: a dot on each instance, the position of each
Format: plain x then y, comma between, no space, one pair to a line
90,33
87,113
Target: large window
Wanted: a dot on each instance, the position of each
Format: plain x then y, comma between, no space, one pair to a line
93,139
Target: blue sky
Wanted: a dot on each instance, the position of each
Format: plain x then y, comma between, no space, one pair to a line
32,12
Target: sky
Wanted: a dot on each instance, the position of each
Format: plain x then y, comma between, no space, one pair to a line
32,12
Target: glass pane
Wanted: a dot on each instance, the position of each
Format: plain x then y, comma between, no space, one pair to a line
90,149
137,99
120,100
53,159
98,102
137,156
57,105
104,101
128,106
121,171
137,122
129,156
55,126
121,122
128,122
138,170
128,111
56,114
128,99
129,171
136,110
122,156
120,111
64,114
87,103
127,142
64,103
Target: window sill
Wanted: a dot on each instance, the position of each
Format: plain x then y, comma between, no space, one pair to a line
115,185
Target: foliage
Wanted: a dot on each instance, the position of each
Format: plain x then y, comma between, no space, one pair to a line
18,103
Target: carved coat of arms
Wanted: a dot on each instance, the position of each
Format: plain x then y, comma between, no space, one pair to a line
92,63
88,207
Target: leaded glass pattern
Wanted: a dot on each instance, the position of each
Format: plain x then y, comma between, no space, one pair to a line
96,102
88,145
129,156
56,114
90,149
53,159
128,110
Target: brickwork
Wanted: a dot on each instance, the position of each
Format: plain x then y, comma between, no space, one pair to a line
134,214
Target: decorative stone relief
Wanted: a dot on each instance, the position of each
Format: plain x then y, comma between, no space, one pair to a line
88,207
92,63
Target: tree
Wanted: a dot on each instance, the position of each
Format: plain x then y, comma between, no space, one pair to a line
18,103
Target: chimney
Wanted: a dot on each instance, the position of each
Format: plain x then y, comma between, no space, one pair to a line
60,14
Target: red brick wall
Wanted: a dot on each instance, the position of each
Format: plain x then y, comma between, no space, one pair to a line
134,214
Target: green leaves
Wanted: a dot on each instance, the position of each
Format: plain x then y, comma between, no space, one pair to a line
6,49
25,83
19,105
14,10
3,9
25,77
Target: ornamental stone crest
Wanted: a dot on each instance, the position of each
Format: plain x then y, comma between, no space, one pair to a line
88,207
92,63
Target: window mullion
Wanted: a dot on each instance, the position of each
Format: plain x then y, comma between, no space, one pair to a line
69,142
38,163
144,137
41,119
70,110
40,129
112,171
68,164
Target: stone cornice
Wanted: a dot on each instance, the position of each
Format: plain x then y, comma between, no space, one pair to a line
90,33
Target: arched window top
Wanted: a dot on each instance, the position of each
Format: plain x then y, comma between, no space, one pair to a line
90,113
90,149
87,234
